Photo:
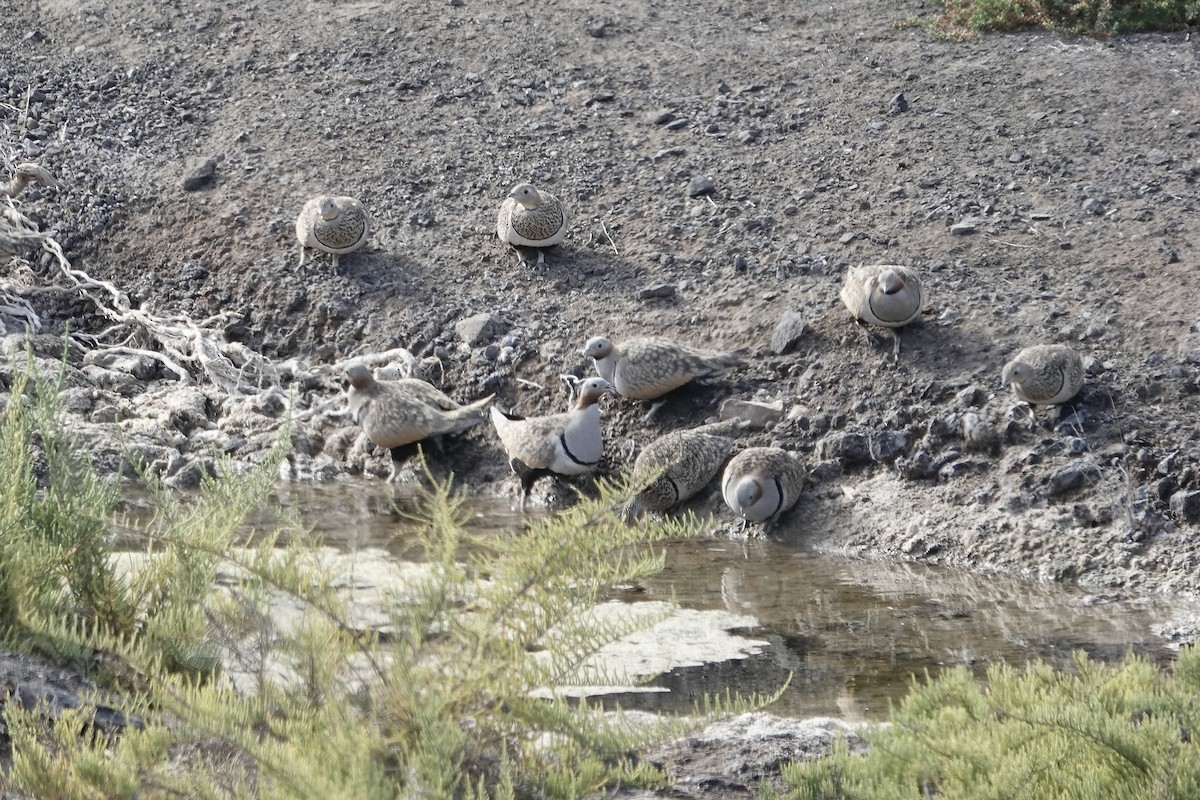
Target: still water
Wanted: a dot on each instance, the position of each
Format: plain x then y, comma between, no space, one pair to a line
851,633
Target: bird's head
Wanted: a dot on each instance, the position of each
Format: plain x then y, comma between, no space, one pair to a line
747,493
360,376
890,281
597,347
526,195
1014,372
329,209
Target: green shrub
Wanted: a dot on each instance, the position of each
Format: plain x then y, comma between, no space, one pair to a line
1094,17
440,702
1099,732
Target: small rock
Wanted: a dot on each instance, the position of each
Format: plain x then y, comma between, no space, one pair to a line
849,448
669,151
886,446
740,264
964,227
656,291
701,185
747,136
1186,504
788,332
480,329
676,124
1158,157
1093,206
199,173
759,415
1072,477
899,103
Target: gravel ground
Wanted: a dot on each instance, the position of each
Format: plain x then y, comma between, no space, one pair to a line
724,165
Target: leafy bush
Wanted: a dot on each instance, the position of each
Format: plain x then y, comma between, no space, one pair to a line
1095,17
439,702
1099,732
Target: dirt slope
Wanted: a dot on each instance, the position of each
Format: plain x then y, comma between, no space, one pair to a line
1069,166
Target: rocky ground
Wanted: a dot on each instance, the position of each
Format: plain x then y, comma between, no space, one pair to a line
724,163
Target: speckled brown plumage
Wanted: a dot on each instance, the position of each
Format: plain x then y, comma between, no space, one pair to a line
884,294
395,414
531,218
335,225
688,461
760,483
646,368
1045,374
570,443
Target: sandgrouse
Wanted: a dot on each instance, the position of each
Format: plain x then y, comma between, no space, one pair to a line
529,218
884,294
335,225
760,483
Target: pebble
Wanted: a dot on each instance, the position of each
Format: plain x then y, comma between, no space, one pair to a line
199,173
676,124
848,447
658,290
1158,157
758,414
788,332
1186,504
480,329
701,185
898,103
668,151
1093,206
964,227
1072,477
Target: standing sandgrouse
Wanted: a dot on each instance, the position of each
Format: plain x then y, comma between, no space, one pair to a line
529,218
335,225
569,443
884,294
398,414
760,483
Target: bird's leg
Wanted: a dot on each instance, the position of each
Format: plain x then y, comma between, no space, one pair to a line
335,263
654,407
872,339
521,260
303,271
896,345
541,262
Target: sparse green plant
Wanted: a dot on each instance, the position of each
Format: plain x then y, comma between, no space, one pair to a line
454,697
1096,732
965,18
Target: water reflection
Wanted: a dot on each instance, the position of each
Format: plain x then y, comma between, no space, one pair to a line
851,633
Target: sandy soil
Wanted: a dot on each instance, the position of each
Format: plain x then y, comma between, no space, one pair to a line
1044,188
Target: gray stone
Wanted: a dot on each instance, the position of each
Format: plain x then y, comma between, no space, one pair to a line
964,227
788,332
143,368
759,415
658,290
1158,157
886,446
898,104
849,448
199,173
184,409
191,475
701,185
1186,504
1072,477
480,329
1093,206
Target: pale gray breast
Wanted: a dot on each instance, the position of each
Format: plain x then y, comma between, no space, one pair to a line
774,472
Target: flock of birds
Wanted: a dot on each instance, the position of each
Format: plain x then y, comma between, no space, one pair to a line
758,484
